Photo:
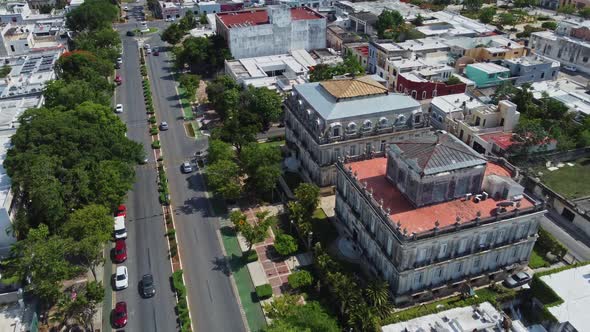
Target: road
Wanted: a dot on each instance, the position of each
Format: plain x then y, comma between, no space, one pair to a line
212,301
147,249
563,231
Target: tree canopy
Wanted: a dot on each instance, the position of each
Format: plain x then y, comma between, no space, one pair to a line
486,15
62,159
388,23
202,55
323,72
92,15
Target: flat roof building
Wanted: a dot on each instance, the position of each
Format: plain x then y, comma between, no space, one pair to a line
272,30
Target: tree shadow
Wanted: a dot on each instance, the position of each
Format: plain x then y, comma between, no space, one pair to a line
219,264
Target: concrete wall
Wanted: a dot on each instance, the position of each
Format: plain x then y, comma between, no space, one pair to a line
566,51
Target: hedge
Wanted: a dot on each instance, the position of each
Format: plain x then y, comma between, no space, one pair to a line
154,130
300,279
155,144
250,257
264,291
182,306
547,243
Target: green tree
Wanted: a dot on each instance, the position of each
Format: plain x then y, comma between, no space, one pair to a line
105,43
239,129
507,19
188,22
585,12
308,195
504,91
551,25
524,3
281,306
377,295
418,21
71,94
173,34
262,164
285,244
486,15
219,150
388,22
252,233
223,177
202,55
41,259
89,228
82,307
5,70
300,279
567,9
453,80
203,19
308,317
223,94
266,103
190,83
323,72
92,15
530,133
472,5
82,65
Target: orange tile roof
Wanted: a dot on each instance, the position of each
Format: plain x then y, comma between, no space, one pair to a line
353,87
260,16
422,219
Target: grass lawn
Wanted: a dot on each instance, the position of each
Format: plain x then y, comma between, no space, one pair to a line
275,143
184,103
246,290
570,181
151,30
537,260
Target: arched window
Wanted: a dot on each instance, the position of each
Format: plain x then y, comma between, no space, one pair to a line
434,92
414,94
351,128
400,119
367,125
423,94
383,122
400,87
336,129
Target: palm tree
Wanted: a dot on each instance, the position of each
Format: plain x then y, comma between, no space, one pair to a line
377,294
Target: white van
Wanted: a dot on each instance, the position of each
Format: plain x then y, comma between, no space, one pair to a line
120,230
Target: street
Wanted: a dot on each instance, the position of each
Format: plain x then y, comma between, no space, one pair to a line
563,231
211,298
147,249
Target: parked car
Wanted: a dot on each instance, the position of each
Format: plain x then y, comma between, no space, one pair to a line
118,80
120,251
147,286
121,211
126,8
148,51
146,46
186,167
119,108
164,126
120,315
517,280
570,68
121,278
130,33
120,60
119,229
156,52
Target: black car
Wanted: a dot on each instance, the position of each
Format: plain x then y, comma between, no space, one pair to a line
130,33
147,286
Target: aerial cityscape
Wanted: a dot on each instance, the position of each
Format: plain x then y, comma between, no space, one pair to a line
295,165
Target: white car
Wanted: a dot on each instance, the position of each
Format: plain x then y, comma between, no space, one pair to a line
120,60
148,51
570,68
119,108
121,278
125,8
186,167
146,46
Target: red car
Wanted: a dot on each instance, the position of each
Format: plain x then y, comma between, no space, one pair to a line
121,211
120,251
118,80
120,315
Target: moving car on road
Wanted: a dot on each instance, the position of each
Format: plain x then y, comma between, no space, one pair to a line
164,126
120,251
120,315
517,279
186,167
121,278
130,33
147,286
119,108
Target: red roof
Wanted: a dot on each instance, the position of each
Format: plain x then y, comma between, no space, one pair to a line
501,139
260,16
363,49
421,219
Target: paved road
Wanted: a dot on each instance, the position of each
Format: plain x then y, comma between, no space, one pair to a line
563,231
211,298
146,244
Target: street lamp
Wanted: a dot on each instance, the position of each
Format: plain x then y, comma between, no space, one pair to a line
291,226
309,238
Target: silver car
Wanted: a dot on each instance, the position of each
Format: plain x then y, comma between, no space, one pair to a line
186,167
517,279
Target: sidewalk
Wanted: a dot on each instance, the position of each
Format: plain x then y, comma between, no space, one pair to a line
573,239
103,273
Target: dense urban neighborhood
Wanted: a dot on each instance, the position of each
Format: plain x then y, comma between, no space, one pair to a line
294,165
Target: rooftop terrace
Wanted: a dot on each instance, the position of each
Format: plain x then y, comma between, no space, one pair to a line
372,171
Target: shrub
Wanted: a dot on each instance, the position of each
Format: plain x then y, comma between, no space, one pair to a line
173,250
161,158
171,234
285,244
549,25
300,279
178,283
547,243
250,256
154,130
155,144
163,197
264,291
168,219
152,119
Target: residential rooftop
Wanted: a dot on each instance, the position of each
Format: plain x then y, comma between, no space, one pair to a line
502,139
260,16
424,44
454,103
352,97
402,212
488,67
532,61
573,286
484,318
